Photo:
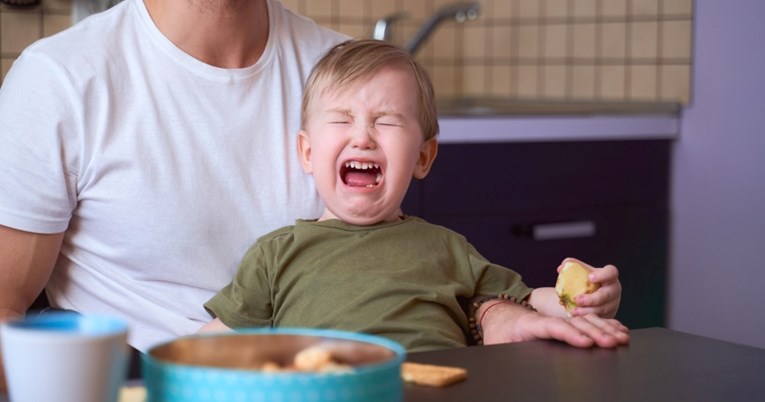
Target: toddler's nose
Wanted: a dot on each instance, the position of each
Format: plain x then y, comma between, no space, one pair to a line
363,138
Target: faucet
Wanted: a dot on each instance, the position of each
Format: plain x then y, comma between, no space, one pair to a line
460,12
381,31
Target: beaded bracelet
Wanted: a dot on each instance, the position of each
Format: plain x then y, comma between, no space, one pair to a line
476,324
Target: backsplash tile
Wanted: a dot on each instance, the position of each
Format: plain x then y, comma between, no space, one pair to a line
613,8
545,50
676,40
535,50
53,23
19,30
677,7
20,27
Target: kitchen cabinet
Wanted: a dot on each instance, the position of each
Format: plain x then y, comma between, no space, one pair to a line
528,205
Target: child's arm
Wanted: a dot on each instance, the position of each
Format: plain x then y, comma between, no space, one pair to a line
604,302
215,325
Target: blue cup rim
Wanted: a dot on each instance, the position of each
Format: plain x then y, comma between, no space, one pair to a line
397,349
66,323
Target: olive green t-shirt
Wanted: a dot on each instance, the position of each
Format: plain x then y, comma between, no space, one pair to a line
403,280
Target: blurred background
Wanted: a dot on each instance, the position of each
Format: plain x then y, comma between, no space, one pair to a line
583,50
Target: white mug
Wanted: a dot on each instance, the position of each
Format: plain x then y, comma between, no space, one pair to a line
64,357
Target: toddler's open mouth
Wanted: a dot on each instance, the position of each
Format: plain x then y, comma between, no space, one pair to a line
361,174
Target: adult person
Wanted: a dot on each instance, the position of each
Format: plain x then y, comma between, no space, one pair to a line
143,150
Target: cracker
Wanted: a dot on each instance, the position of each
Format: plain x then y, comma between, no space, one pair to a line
432,375
313,358
133,394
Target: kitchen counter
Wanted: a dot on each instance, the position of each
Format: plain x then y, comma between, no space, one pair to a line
461,129
470,121
488,106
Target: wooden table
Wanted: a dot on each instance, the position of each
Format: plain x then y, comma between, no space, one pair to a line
658,365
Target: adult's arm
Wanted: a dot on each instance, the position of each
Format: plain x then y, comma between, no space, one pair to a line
216,325
26,262
509,322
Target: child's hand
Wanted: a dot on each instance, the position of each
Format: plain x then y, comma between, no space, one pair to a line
604,302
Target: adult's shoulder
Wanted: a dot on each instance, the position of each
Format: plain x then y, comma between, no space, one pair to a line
97,33
284,233
81,52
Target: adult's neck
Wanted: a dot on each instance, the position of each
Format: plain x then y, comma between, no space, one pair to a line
222,33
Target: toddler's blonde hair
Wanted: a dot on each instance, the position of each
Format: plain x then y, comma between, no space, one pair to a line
352,61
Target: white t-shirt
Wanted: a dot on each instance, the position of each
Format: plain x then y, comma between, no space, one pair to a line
161,169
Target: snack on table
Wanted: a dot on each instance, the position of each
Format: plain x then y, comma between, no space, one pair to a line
313,358
134,393
317,358
573,280
431,375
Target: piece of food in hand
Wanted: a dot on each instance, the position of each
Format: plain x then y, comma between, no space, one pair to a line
431,375
573,280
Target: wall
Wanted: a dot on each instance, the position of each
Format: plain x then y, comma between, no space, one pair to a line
718,237
20,27
570,50
574,50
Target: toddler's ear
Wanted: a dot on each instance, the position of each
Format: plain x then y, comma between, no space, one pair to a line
428,152
304,151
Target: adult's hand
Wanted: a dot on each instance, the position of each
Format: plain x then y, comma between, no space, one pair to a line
509,322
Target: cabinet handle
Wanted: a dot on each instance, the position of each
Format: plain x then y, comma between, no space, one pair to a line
558,230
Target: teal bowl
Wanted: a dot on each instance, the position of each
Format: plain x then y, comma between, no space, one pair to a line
225,367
